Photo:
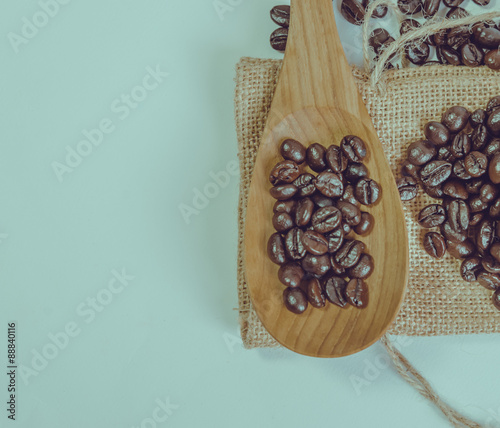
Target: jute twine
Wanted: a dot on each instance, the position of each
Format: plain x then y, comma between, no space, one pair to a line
400,102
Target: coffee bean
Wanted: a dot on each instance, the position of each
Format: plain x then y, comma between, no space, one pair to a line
322,201
293,244
282,222
494,169
350,252
363,269
488,280
487,37
475,219
455,118
336,159
407,187
348,195
410,170
283,192
473,186
459,170
276,249
447,55
461,145
435,173
317,265
476,164
326,219
421,152
437,133
480,137
484,235
430,7
295,300
353,11
482,2
290,274
315,293
493,103
315,157
439,38
315,243
492,59
453,3
356,293
458,36
451,234
461,250
488,193
285,207
284,173
455,189
493,123
379,40
432,216
494,211
495,251
305,185
478,117
379,11
435,245
457,13
470,269
472,56
354,148
293,150
351,214
334,288
367,191
346,229
366,224
445,154
335,240
477,205
278,39
329,184
281,15
410,7
490,264
408,25
418,52
304,212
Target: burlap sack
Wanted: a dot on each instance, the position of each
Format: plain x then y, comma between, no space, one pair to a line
438,301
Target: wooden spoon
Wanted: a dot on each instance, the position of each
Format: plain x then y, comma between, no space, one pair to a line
316,100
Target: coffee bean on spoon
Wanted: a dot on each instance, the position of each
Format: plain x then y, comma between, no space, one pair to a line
357,293
285,206
356,171
334,287
351,214
363,269
293,244
276,249
315,294
354,148
326,219
295,300
365,225
283,192
293,150
367,191
317,265
335,239
329,184
315,243
305,185
336,159
282,222
315,157
290,274
350,252
304,212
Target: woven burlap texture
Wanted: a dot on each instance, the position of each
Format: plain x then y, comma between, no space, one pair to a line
438,301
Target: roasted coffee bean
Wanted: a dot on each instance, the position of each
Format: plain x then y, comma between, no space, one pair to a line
477,205
435,245
496,299
459,170
487,37
350,252
488,280
367,191
484,235
432,216
453,3
447,55
315,293
410,7
461,250
430,7
475,219
315,243
335,239
408,25
363,269
495,251
421,152
476,164
278,39
407,187
351,214
355,172
455,189
418,52
334,288
322,201
293,150
285,206
478,117
445,154
353,11
329,184
336,159
435,173
356,293
437,133
488,193
457,13
493,104
354,148
434,192
473,187
410,170
490,264
281,15
276,249
304,212
290,274
480,137
305,185
493,123
326,219
282,222
470,269
366,224
439,38
455,118
482,2
451,234
458,36
348,195
494,211
293,244
380,39
461,145
284,173
315,157
472,56
295,300
494,169
283,192
379,11
492,59
317,265
336,268
346,229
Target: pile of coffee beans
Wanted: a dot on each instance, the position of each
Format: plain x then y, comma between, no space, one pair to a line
459,164
479,45
319,193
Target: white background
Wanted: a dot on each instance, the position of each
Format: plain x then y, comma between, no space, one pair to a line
173,331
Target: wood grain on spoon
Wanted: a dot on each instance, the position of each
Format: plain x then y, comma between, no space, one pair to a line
316,100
